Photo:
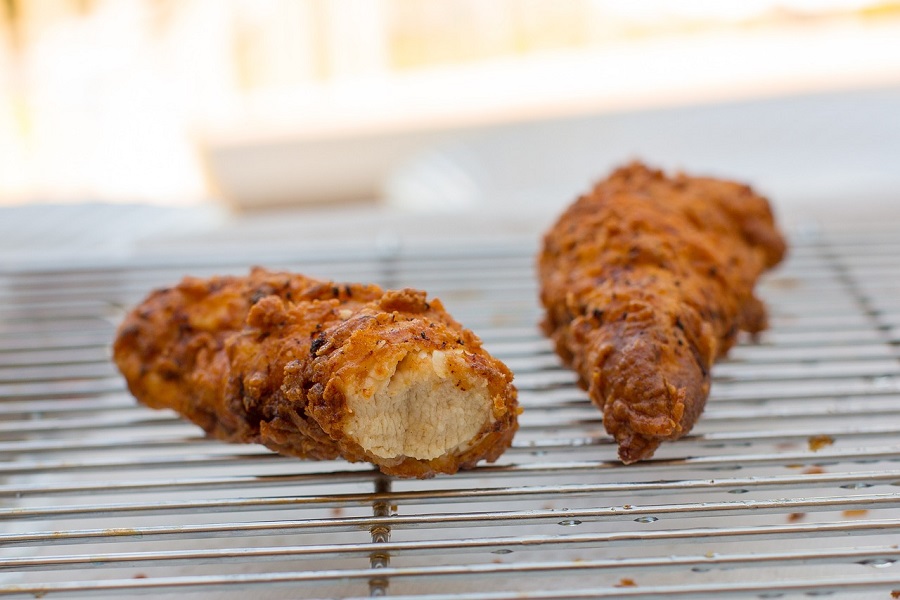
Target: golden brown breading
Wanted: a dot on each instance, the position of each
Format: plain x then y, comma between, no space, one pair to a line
646,281
320,370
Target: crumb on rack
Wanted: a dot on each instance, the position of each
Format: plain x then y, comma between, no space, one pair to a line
817,442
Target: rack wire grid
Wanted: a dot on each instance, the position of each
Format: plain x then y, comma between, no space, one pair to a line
788,487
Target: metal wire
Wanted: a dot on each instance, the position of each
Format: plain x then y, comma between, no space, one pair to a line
789,486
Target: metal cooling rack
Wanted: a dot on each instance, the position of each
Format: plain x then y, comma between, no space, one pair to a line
788,487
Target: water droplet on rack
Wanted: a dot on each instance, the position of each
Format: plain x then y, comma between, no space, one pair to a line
502,551
771,595
738,491
701,569
647,519
884,382
570,522
878,563
856,486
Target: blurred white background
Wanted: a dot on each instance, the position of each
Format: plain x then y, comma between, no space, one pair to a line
441,106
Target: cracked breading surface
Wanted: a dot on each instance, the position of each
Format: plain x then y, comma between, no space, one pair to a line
321,370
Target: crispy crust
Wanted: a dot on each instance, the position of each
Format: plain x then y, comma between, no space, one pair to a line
268,358
646,281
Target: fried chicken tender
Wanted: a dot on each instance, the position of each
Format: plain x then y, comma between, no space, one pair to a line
646,281
320,370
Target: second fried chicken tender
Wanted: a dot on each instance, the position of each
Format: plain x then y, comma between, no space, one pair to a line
646,281
320,370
